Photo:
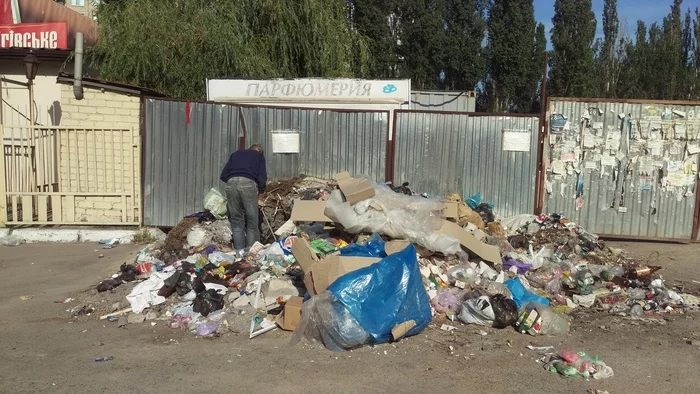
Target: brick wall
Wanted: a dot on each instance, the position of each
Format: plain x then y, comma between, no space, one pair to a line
100,155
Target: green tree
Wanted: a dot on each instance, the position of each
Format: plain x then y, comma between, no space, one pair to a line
463,56
610,57
695,83
511,37
572,60
421,34
172,47
373,18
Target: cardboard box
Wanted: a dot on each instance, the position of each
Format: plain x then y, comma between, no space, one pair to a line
309,211
468,240
321,273
402,328
395,246
354,190
292,314
450,210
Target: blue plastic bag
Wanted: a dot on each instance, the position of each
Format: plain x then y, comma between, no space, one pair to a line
373,248
521,295
474,201
384,295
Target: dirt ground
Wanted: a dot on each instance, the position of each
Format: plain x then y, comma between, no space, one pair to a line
43,349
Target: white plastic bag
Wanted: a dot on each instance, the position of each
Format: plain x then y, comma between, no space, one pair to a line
477,311
11,240
197,237
215,203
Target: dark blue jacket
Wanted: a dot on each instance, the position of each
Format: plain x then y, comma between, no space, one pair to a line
246,163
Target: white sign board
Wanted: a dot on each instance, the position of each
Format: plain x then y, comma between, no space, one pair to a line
516,140
285,141
309,90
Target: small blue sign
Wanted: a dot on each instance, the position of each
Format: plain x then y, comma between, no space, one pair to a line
390,88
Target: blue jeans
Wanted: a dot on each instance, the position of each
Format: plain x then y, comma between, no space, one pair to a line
242,203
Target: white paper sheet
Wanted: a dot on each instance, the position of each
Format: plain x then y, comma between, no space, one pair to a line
285,141
516,141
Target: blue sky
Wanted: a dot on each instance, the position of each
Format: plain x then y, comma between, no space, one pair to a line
628,11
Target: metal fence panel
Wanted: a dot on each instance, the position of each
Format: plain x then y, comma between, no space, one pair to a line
443,153
183,160
330,141
455,101
646,209
184,156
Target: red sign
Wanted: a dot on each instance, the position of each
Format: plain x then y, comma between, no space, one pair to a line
52,35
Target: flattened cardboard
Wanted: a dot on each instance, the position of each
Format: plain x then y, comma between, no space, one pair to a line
468,240
450,210
321,273
401,329
395,246
291,315
309,211
354,190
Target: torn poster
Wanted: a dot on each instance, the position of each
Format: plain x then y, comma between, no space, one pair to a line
693,148
285,141
568,157
558,167
644,182
690,165
589,140
516,140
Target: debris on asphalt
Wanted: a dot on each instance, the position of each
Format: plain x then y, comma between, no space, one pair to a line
350,263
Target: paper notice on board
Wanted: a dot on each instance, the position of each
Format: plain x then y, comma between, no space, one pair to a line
590,165
693,149
558,167
285,141
645,183
675,166
677,179
607,160
589,140
516,141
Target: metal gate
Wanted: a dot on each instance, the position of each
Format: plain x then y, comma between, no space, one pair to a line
624,168
69,176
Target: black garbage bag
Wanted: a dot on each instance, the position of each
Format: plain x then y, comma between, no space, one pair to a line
183,284
128,273
108,284
169,285
403,189
486,213
519,241
198,285
504,310
208,302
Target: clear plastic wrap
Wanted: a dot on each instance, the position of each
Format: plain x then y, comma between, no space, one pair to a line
395,215
11,240
514,223
326,320
365,305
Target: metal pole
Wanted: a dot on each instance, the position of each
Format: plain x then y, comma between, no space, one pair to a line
541,174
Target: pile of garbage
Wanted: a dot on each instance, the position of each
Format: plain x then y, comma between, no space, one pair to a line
353,263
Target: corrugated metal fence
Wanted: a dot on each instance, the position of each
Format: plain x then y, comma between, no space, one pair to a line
184,153
625,188
331,141
440,153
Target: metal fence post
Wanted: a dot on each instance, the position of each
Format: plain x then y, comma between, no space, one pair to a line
3,180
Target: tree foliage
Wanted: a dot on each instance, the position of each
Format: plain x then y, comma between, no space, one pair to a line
173,46
572,66
515,51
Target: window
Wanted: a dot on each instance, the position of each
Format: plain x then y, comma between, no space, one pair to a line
77,3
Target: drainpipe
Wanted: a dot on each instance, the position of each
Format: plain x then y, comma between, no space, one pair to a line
78,67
